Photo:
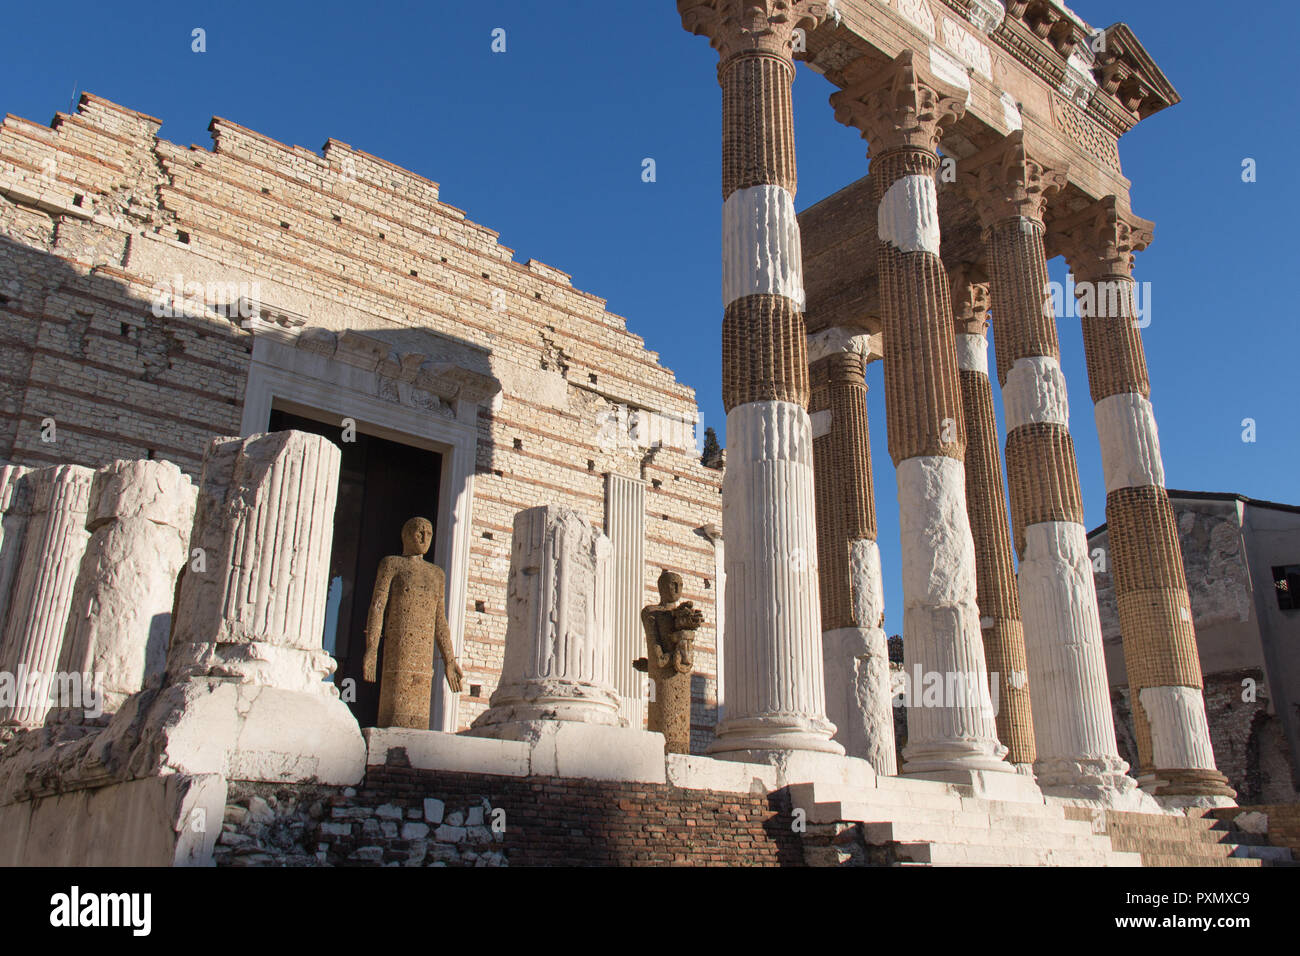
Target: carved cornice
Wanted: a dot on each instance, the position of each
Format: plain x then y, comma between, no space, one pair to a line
899,105
1100,241
1006,182
449,371
740,27
1074,58
970,300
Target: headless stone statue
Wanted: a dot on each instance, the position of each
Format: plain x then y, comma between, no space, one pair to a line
670,628
408,613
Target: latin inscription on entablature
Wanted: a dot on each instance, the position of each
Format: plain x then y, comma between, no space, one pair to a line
967,48
917,13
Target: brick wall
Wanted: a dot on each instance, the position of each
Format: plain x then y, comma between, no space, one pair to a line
401,816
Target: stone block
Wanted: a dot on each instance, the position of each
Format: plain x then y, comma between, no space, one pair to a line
727,776
434,750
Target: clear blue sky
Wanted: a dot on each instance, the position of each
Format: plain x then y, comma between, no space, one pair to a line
544,143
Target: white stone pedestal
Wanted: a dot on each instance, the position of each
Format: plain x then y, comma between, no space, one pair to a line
558,632
247,675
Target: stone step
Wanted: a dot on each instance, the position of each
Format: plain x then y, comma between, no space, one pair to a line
962,855
987,819
984,816
879,834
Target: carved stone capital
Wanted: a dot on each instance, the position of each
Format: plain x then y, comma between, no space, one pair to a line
739,27
900,105
1005,182
970,300
1100,241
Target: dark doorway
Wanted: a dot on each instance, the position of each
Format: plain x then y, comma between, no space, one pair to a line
382,483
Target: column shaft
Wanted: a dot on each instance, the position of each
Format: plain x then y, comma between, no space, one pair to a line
38,610
986,505
774,670
855,648
1160,651
1073,725
901,110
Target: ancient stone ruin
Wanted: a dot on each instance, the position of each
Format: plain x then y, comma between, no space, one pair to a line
211,655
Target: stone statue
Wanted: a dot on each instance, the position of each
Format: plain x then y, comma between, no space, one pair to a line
670,628
408,612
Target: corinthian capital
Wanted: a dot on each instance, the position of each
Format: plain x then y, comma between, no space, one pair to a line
970,300
1005,182
901,104
1100,240
753,26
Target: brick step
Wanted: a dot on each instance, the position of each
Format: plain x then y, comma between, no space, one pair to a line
1126,818
1158,860
1159,847
879,834
961,855
1209,836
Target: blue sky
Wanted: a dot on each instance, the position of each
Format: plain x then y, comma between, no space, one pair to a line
545,143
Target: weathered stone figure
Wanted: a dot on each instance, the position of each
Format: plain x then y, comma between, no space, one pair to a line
670,628
408,611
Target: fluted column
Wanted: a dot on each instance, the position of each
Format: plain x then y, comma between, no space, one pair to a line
246,686
854,646
986,505
38,609
1074,729
558,632
625,526
251,603
140,518
902,110
774,677
15,508
1164,672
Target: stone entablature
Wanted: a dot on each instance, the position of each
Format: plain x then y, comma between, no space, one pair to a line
1074,88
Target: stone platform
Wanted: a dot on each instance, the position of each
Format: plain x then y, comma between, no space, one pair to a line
836,809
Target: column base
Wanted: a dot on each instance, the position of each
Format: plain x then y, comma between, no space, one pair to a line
960,757
762,735
1094,780
991,785
548,701
858,699
1189,788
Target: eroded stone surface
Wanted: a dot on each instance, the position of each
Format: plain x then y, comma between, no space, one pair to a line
408,614
557,657
670,628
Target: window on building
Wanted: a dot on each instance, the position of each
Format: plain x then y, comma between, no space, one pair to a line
1286,579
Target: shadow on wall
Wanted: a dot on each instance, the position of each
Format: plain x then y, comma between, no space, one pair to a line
97,367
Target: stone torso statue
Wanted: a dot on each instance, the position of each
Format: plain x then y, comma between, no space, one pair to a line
408,613
670,628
